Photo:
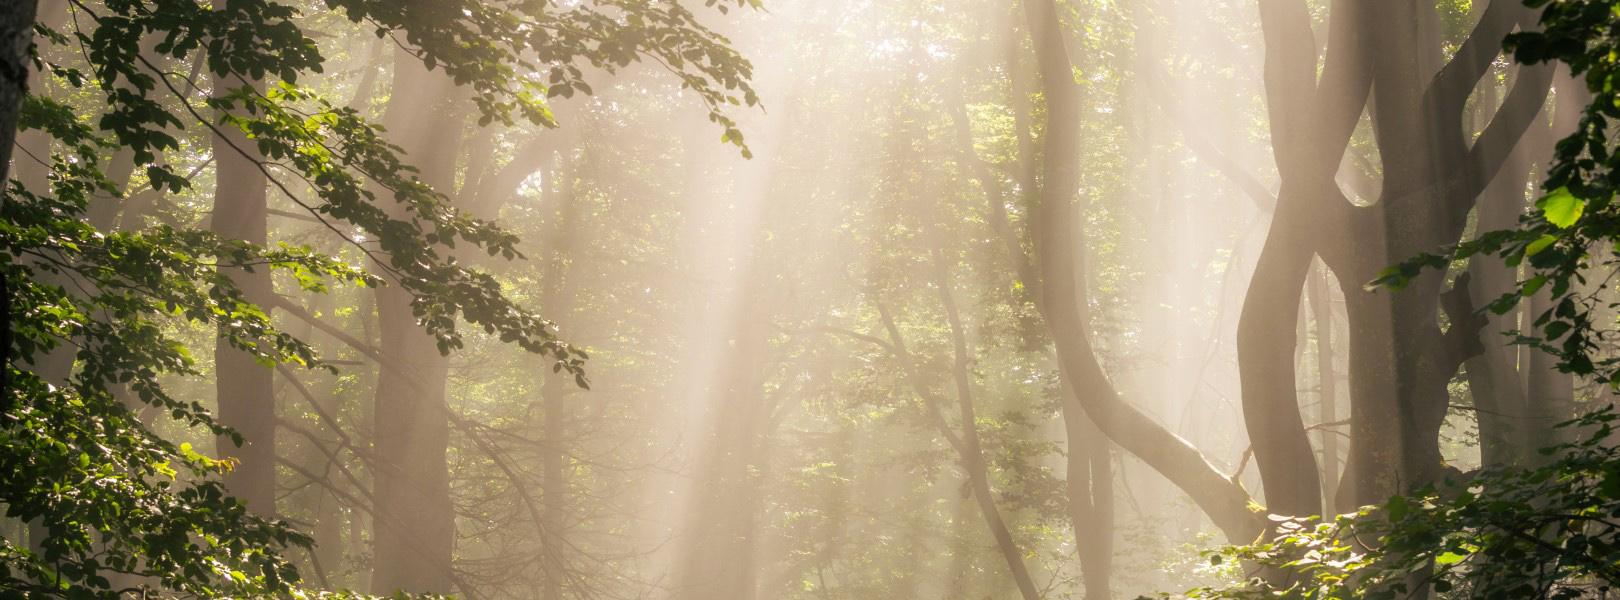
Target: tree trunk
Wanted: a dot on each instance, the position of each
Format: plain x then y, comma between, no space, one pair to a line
1327,388
1493,376
1401,362
557,301
1089,473
971,451
1089,482
415,520
1059,248
1550,394
16,35
242,386
1311,123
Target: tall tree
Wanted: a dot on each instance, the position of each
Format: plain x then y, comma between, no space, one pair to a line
414,529
1059,236
1400,359
1311,122
243,386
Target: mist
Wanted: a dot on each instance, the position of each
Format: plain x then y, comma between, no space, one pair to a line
936,299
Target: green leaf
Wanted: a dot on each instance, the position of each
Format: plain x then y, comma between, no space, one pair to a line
1540,244
1561,208
1397,508
1532,285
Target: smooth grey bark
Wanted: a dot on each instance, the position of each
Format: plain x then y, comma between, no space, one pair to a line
1089,484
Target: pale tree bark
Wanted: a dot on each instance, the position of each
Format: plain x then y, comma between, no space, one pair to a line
1059,236
28,156
16,35
1089,484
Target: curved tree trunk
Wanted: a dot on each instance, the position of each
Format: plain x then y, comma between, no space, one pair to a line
1401,362
1089,470
1311,122
971,450
1059,248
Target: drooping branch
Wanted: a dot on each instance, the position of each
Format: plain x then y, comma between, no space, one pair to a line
1235,173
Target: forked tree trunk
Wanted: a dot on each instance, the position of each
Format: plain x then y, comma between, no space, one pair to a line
1401,362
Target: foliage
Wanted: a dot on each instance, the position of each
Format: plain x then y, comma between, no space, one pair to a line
123,509
1547,532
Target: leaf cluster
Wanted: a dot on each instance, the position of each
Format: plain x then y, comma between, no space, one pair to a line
1546,532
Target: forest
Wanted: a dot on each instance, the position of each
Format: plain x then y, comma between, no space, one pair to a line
809,299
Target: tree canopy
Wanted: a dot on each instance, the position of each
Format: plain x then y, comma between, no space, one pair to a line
115,499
